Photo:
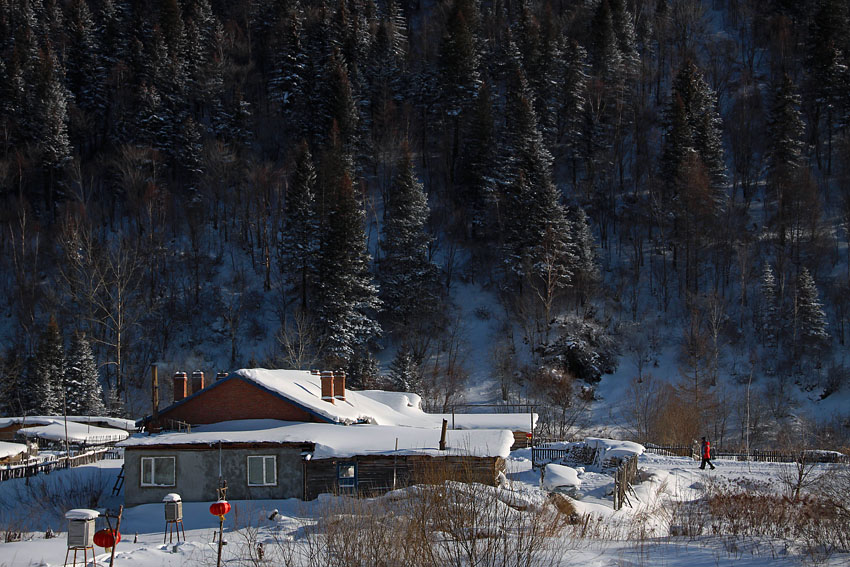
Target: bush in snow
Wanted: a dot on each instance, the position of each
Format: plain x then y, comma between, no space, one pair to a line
583,348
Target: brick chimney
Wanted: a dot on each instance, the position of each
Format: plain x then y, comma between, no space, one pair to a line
197,381
220,376
314,372
180,382
327,377
339,385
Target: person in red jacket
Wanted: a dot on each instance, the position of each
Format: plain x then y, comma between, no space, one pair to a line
705,451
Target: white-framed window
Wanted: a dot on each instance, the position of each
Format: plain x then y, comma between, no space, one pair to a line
346,475
158,471
262,470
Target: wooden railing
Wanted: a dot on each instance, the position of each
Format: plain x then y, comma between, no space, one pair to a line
33,467
670,450
623,480
755,455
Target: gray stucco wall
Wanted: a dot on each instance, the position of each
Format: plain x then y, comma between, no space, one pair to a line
197,475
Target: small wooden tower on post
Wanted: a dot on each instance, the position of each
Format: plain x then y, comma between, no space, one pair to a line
173,517
81,533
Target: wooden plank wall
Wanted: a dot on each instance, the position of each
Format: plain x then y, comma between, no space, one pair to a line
375,473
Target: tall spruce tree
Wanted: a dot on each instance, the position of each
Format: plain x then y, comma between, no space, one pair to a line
86,73
347,297
46,374
536,236
770,307
810,317
407,276
51,118
784,152
571,98
83,393
693,125
299,244
404,374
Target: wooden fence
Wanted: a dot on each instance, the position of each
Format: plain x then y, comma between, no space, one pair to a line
623,480
754,456
542,455
671,450
33,467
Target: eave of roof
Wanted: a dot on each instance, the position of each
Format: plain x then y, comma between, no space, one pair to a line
147,418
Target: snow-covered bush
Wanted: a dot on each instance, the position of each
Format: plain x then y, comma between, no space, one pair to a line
583,348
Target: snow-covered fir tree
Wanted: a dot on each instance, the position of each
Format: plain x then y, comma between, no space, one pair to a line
408,278
46,373
12,382
769,306
537,241
348,298
83,393
571,98
785,149
694,103
404,373
85,70
286,79
52,118
299,243
810,316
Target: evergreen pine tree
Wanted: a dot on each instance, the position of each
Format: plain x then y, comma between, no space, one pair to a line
810,316
693,125
86,74
13,382
536,236
407,277
341,107
586,267
299,243
404,373
83,393
114,403
770,307
347,297
571,99
479,162
46,374
459,58
286,79
827,75
52,121
113,35
784,151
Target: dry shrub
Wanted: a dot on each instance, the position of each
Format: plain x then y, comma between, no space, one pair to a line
820,523
442,523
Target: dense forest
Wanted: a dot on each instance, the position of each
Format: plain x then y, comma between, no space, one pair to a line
181,177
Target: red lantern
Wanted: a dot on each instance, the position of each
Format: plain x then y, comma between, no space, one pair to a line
107,538
220,508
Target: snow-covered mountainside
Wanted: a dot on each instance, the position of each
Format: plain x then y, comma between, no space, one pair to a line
631,215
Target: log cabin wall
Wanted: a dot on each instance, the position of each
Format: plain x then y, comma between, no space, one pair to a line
374,474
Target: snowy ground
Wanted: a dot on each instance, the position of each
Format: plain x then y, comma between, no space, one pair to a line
665,479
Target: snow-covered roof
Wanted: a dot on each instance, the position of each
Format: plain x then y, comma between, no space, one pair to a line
11,449
371,406
614,448
337,440
82,514
54,429
116,422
